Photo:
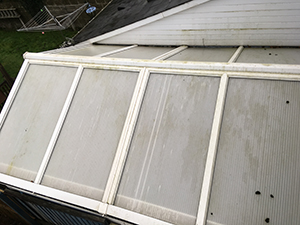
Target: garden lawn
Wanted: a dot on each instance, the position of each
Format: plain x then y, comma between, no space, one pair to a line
14,44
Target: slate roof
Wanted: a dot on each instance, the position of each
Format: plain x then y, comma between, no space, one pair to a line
120,13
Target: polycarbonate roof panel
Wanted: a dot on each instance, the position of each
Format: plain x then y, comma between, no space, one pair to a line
30,123
93,50
164,169
142,52
87,144
257,176
270,55
204,54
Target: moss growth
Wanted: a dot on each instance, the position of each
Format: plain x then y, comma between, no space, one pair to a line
14,44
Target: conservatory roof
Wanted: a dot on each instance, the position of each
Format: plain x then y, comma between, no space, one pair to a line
158,135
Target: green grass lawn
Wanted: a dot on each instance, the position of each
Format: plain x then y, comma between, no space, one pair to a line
14,44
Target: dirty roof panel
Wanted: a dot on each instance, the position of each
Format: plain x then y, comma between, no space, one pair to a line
256,177
204,54
31,121
166,160
142,52
270,55
91,133
93,50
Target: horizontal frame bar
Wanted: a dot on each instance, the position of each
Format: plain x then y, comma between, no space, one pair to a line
85,65
216,66
50,192
133,217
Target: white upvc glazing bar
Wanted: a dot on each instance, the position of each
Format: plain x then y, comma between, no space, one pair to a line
170,53
133,217
38,189
218,66
124,143
212,152
115,51
58,127
86,65
13,92
236,55
265,76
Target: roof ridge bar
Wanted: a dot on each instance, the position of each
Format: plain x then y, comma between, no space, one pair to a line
58,126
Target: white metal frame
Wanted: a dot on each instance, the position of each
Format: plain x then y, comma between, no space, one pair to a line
145,68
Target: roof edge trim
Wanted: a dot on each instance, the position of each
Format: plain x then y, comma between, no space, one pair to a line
146,21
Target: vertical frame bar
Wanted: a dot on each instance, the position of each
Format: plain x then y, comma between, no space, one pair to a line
13,92
127,133
58,126
212,152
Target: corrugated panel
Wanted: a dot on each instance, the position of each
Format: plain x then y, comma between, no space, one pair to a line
204,54
257,178
163,173
270,55
31,121
87,143
223,22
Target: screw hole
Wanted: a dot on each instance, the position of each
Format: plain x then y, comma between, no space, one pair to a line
272,196
287,102
267,220
270,53
257,193
211,214
120,8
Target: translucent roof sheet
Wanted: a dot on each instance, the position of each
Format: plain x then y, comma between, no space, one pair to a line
257,165
91,132
93,50
29,126
142,52
270,55
204,54
158,141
